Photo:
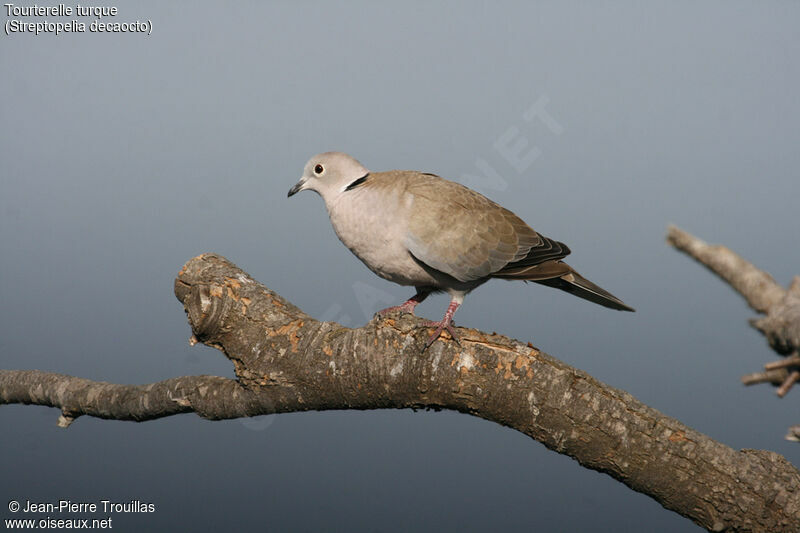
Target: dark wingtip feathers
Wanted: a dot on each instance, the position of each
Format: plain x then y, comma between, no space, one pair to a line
581,287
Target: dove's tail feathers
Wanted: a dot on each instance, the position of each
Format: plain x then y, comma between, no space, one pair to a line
576,284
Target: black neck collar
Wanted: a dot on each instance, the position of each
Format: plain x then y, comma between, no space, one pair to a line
357,182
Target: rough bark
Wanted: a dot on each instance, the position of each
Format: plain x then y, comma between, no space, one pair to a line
781,325
287,361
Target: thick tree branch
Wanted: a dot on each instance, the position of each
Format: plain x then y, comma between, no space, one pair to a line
781,325
287,361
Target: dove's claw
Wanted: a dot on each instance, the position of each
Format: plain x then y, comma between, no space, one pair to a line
446,323
441,327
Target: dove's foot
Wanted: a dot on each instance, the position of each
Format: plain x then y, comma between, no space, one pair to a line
441,326
407,306
446,323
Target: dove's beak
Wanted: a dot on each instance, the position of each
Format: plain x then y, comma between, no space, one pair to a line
299,186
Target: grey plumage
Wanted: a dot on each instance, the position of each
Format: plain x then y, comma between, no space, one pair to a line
418,229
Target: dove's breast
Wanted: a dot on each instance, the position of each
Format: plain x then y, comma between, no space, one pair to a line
373,224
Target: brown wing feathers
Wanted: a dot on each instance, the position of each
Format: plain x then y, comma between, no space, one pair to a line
475,238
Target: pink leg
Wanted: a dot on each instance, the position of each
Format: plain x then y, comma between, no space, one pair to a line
445,323
407,306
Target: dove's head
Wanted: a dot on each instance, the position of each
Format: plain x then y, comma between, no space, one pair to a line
330,174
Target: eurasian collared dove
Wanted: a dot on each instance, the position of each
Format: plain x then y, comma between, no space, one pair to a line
415,228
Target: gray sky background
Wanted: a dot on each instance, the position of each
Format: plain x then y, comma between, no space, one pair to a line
124,155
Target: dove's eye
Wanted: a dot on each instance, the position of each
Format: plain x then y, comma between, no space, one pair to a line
318,169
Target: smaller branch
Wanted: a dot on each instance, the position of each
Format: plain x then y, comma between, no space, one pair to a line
65,419
793,360
759,288
776,377
787,384
211,397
